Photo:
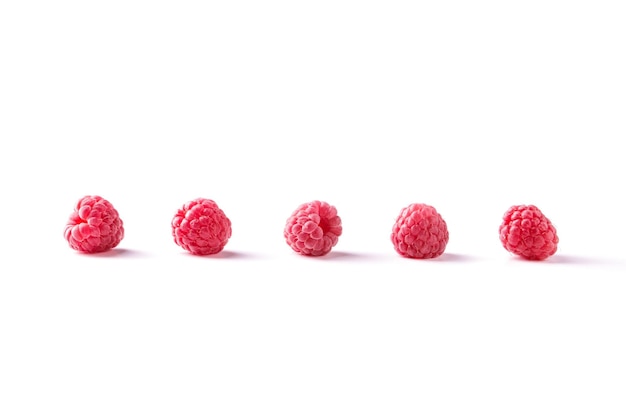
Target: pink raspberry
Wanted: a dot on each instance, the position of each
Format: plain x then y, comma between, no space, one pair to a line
94,226
313,228
527,232
201,227
419,232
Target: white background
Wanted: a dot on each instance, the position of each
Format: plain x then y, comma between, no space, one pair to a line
370,105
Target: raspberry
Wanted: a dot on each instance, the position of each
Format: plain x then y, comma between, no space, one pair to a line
94,226
527,232
419,232
313,228
201,227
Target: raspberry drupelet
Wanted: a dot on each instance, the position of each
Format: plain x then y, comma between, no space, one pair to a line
94,226
201,227
419,232
525,231
313,229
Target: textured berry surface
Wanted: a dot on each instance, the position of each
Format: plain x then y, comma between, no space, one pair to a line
94,226
419,232
527,232
313,228
201,227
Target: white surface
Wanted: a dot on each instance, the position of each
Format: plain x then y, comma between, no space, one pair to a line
468,106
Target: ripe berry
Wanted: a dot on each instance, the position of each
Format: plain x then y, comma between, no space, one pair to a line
201,227
527,232
313,228
94,226
419,232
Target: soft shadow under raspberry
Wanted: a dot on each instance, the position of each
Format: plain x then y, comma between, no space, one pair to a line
454,257
226,254
117,253
346,256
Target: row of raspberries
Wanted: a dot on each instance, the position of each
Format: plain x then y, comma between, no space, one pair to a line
313,229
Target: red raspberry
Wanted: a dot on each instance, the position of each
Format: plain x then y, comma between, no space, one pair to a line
419,232
201,227
526,232
94,226
313,228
